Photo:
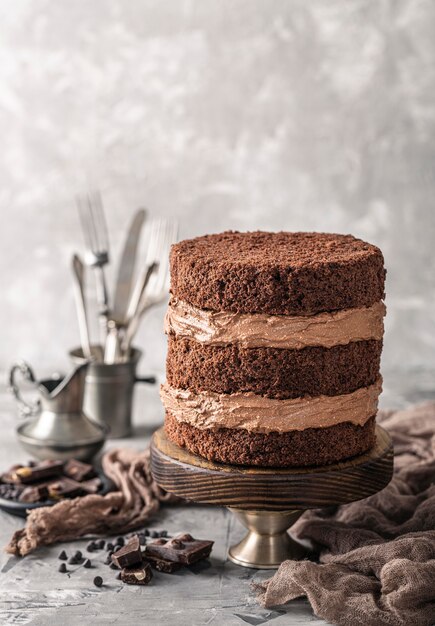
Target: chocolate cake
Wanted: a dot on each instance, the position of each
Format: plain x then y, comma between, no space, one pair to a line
274,345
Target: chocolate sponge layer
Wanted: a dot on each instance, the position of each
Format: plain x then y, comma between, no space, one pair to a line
314,446
272,372
277,273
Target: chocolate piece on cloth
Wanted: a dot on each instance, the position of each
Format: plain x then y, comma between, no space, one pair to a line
137,498
128,555
181,549
138,575
376,557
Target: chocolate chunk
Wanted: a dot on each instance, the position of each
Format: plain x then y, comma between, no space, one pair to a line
163,565
181,549
63,556
128,555
87,564
34,493
64,488
62,568
41,471
98,581
77,470
92,485
11,492
138,575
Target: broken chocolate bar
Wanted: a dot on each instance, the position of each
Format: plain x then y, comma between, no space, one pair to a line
34,493
128,555
64,488
41,471
77,470
181,549
92,485
163,565
138,575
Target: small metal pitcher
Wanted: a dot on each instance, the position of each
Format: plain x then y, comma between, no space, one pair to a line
56,427
109,391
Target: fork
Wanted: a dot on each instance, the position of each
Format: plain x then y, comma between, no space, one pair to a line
96,238
162,233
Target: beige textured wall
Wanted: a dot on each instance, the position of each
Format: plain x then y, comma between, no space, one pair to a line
246,114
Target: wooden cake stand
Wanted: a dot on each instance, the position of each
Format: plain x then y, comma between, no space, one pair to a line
267,501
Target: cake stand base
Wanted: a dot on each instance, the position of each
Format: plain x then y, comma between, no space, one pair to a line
267,501
267,543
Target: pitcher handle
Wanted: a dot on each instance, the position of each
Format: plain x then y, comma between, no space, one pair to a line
26,409
145,379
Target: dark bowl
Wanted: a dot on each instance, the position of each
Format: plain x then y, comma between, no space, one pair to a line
21,509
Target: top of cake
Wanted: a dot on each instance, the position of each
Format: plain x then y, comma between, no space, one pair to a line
278,273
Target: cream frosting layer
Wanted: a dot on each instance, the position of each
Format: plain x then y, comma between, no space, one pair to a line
275,331
263,415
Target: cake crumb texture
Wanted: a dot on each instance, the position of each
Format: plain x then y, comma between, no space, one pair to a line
277,273
314,446
272,372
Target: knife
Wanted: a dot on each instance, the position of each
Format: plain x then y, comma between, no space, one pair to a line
126,268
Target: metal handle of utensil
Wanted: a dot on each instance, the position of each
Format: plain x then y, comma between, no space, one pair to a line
26,409
145,379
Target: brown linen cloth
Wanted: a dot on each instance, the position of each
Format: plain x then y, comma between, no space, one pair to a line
376,556
136,500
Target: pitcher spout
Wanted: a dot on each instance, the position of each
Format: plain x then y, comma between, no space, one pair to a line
65,395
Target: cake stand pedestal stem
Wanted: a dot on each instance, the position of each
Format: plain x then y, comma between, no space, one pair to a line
267,543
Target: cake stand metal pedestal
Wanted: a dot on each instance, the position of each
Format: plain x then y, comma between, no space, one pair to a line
267,501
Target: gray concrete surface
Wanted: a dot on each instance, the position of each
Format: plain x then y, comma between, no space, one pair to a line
32,591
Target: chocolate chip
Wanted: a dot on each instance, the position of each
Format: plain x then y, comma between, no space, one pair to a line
108,560
98,581
87,564
91,546
63,556
113,566
62,568
120,541
146,532
142,539
163,533
109,546
101,544
78,555
154,534
72,560
118,576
